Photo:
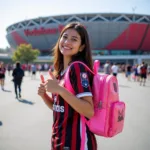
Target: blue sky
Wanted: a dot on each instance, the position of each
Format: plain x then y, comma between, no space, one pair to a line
12,11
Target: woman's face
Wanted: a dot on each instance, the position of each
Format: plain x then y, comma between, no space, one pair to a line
70,42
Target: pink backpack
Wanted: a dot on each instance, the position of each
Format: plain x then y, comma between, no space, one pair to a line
108,119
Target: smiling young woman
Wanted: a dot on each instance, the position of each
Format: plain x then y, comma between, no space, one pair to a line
72,45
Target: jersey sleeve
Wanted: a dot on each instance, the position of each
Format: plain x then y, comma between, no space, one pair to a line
80,79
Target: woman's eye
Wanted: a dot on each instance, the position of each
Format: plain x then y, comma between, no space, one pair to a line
65,37
74,39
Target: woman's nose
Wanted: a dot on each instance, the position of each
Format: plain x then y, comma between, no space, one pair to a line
67,41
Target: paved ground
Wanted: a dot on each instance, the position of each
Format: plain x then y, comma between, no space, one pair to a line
26,123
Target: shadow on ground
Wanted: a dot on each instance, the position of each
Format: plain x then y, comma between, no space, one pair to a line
1,123
25,101
5,90
124,86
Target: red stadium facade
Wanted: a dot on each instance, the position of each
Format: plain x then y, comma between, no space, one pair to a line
110,34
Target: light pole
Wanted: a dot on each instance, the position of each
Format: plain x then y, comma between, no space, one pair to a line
133,9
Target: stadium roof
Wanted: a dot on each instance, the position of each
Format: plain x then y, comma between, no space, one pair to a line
63,19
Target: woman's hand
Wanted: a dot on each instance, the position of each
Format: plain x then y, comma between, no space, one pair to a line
52,85
41,90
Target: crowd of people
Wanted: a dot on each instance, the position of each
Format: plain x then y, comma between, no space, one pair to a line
137,72
17,71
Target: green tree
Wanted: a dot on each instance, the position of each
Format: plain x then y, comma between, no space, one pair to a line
25,53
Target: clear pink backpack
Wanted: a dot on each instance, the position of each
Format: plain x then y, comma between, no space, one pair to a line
108,119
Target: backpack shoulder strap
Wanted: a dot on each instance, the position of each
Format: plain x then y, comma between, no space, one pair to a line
69,87
67,79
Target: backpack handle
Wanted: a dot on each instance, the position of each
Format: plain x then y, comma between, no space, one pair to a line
83,65
96,66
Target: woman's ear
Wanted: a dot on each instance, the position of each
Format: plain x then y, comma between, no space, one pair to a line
81,48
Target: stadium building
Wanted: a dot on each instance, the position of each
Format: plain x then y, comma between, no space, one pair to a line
123,38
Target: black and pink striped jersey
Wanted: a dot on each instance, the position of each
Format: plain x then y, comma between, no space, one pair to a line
67,122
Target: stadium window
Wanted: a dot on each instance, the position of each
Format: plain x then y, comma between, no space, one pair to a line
60,19
37,21
120,52
50,21
144,20
89,18
100,52
31,24
123,19
98,19
73,20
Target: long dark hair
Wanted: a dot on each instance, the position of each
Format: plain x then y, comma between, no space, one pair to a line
84,56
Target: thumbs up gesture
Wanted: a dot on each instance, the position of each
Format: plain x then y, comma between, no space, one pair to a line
41,88
51,84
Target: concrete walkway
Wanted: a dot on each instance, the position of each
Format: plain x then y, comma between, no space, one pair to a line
25,124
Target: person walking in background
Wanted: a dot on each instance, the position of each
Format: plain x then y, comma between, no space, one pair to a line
148,71
114,69
33,69
29,69
139,71
143,73
128,72
39,67
46,67
107,68
136,74
17,74
9,68
73,45
2,75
